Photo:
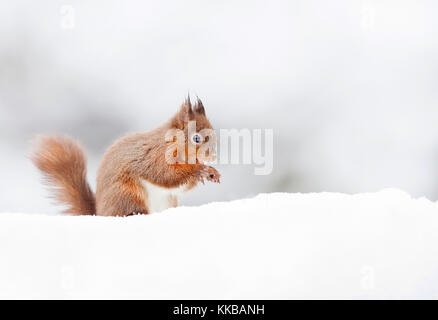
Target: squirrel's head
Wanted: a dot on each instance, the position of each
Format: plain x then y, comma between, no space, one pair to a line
199,135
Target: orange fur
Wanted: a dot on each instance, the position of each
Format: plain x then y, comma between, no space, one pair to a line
131,159
63,164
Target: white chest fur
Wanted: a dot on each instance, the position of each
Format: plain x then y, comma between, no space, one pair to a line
159,198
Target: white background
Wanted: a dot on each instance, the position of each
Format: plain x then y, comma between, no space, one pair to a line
350,87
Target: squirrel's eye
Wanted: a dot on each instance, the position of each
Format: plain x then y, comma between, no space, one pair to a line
196,138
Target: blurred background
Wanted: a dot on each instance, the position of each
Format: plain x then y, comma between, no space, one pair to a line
349,87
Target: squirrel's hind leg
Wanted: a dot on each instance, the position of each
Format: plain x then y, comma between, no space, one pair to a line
131,208
135,213
138,210
122,199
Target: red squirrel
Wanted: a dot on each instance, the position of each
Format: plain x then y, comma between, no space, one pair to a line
134,176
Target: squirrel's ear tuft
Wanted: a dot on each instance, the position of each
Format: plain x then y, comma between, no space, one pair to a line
199,107
185,113
187,101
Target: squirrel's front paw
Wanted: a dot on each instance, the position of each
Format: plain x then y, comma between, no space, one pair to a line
209,173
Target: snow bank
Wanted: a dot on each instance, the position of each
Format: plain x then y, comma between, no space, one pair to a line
326,245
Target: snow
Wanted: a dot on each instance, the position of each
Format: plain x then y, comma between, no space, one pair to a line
273,246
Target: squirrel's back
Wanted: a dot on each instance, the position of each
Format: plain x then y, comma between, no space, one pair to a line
119,190
63,164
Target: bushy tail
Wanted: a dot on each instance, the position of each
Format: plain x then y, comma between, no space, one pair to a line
63,163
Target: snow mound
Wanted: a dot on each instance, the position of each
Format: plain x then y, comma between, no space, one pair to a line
279,246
